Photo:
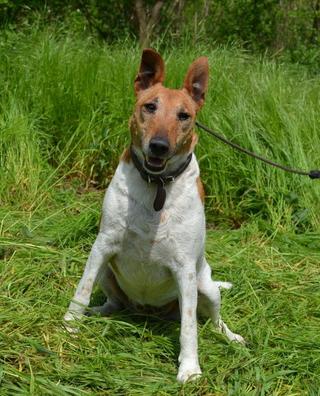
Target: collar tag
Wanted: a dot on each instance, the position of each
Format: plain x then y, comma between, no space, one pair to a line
161,195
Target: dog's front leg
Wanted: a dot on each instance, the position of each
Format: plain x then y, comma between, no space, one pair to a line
100,254
189,365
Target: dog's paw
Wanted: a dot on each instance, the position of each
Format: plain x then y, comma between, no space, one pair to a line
224,329
106,309
238,338
233,337
69,323
188,371
223,285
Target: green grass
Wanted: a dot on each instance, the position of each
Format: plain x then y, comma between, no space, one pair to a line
65,103
274,304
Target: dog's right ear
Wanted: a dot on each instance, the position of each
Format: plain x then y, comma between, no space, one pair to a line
151,70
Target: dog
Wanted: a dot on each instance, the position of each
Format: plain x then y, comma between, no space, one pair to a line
150,249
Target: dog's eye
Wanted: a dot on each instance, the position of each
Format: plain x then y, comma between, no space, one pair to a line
182,116
150,107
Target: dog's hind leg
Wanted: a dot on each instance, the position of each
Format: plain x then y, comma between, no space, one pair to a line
209,301
116,298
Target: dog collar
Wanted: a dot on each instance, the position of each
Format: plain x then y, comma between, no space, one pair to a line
160,181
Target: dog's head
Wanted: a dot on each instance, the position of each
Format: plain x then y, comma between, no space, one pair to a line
162,126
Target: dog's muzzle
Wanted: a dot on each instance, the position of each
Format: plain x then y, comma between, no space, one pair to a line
158,150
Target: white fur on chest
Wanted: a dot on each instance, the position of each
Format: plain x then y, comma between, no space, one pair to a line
152,244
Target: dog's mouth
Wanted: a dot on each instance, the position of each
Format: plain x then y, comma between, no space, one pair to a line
155,164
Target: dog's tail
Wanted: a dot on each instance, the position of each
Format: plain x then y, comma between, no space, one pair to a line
223,285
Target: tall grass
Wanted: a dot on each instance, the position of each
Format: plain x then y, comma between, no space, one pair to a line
66,100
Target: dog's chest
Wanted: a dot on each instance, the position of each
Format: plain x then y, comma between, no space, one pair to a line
144,283
152,242
143,267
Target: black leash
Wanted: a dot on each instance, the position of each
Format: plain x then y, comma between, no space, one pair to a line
313,174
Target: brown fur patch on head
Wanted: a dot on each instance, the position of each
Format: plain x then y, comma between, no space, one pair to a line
188,144
163,113
164,121
200,189
135,134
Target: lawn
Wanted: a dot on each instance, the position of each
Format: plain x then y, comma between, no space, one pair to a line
274,304
65,103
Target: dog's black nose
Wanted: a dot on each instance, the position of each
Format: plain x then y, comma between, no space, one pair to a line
159,146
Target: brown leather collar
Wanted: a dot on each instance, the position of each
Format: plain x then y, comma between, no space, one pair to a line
160,180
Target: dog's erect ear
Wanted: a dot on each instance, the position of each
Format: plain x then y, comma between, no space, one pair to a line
196,81
151,70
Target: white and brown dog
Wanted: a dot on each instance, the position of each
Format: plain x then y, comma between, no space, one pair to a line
150,250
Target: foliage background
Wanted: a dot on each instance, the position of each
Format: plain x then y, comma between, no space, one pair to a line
287,29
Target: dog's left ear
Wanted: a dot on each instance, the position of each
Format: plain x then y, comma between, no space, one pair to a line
151,70
196,81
